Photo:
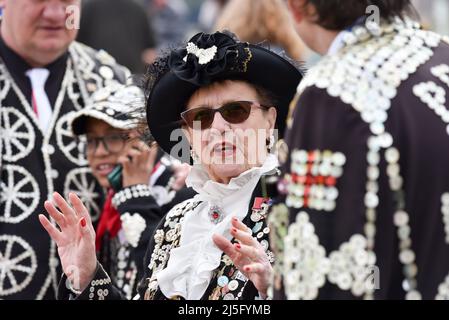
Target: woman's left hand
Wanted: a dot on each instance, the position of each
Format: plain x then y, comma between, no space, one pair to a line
248,255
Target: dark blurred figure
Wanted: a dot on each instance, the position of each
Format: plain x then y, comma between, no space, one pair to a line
210,10
120,27
169,19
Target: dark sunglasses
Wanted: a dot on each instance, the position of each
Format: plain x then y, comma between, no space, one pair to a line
233,112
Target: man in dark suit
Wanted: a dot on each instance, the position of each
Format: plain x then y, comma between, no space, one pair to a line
366,207
44,78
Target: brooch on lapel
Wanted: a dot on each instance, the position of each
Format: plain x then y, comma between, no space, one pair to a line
215,214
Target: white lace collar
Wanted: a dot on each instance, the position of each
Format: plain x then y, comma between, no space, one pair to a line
209,190
191,265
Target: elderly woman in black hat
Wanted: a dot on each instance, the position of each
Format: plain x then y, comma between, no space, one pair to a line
217,103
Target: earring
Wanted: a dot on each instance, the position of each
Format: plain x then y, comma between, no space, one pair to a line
270,143
194,156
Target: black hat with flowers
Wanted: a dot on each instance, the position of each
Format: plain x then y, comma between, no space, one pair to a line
206,59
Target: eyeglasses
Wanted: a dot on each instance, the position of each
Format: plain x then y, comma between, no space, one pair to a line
113,143
233,112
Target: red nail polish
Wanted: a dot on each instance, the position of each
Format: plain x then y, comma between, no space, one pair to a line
234,230
247,269
83,222
238,246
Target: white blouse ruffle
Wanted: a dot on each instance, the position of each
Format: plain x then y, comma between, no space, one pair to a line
191,265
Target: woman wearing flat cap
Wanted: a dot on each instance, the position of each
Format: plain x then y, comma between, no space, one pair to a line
137,198
216,102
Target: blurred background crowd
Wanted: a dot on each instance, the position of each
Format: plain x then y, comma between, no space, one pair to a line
134,31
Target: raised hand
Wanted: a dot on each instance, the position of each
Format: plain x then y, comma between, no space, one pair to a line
138,161
75,239
248,255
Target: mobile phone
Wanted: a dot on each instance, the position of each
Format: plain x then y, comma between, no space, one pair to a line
115,178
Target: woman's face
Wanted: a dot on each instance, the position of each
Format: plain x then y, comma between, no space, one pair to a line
225,149
101,160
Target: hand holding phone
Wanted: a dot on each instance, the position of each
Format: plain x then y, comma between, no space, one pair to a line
136,165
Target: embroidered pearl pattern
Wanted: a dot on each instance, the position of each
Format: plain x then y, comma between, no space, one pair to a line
165,241
443,290
306,266
132,192
231,283
81,182
72,148
19,193
98,289
18,263
17,134
445,211
365,74
312,183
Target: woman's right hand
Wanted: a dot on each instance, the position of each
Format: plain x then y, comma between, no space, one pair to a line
75,240
137,160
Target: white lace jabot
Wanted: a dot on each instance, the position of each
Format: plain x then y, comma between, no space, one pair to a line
190,266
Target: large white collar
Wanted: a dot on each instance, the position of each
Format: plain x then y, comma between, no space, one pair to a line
209,190
191,265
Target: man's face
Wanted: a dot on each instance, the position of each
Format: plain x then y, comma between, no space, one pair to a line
38,29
